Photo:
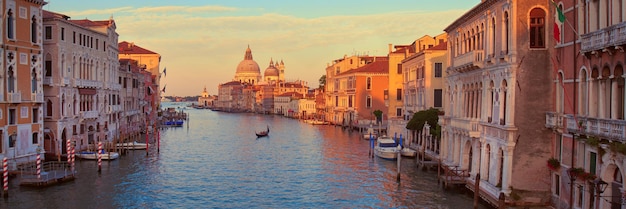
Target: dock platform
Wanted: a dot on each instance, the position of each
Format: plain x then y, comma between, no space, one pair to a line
51,173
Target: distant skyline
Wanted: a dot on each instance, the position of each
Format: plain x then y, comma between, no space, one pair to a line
202,42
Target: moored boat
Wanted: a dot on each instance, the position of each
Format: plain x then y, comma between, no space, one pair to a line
408,152
131,145
386,148
90,155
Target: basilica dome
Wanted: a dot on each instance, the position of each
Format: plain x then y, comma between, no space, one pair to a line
248,65
271,70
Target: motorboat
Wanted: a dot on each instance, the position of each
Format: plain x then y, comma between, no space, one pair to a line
90,155
317,122
131,145
408,152
386,148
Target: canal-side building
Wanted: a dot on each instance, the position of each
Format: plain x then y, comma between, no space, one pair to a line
130,100
21,99
205,100
588,112
360,91
151,62
80,78
499,87
335,89
424,76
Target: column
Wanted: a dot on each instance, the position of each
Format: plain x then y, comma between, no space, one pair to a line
483,167
507,169
614,96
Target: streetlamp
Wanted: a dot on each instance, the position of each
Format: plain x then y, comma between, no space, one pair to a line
600,186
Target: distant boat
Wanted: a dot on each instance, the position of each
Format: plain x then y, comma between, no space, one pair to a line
89,155
263,133
131,145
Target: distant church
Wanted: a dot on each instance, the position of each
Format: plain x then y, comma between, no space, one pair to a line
248,71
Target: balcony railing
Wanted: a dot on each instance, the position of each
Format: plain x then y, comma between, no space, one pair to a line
15,97
66,81
47,81
87,83
469,61
614,35
36,97
472,126
611,129
89,114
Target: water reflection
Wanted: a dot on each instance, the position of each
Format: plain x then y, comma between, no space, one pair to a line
218,162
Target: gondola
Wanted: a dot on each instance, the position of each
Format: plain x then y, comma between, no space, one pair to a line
263,133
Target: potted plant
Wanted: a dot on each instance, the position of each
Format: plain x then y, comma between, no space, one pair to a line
554,164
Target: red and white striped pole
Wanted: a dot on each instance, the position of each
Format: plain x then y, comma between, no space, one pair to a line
73,157
68,150
5,182
100,156
38,166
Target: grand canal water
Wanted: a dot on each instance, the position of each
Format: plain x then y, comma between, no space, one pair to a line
216,161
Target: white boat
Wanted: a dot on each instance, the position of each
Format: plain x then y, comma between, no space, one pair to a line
370,133
131,145
89,155
318,122
408,152
386,148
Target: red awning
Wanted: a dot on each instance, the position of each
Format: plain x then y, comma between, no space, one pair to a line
87,91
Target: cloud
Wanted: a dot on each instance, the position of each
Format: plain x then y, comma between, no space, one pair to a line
204,49
94,12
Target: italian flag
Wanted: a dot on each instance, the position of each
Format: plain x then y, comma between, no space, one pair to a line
559,19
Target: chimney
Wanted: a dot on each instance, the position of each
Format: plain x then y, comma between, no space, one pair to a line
390,47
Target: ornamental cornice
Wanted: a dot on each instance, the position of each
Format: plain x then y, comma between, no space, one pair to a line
475,11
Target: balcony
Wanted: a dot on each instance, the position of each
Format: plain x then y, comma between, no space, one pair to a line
89,114
66,81
115,108
554,120
36,97
82,83
14,97
470,126
606,38
469,61
47,81
610,129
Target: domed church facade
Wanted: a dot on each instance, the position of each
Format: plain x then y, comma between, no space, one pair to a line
248,70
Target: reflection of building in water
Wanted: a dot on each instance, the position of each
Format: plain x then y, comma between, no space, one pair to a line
250,92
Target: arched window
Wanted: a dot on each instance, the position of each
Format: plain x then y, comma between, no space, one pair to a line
537,28
33,81
10,80
583,93
503,104
33,29
10,25
368,83
48,65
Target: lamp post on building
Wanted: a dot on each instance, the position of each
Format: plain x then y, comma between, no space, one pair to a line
600,186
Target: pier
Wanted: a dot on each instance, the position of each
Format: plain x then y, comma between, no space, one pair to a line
51,173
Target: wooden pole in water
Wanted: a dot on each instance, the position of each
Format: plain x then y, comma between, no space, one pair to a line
147,132
476,190
399,159
100,156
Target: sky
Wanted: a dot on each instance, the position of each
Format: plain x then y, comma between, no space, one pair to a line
201,42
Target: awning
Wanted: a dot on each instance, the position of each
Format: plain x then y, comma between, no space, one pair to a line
83,91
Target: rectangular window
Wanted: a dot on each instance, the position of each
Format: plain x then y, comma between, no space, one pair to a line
438,69
592,163
62,34
336,101
12,139
48,33
97,43
35,115
12,116
399,94
386,94
74,37
399,112
399,68
368,102
48,66
438,100
557,184
557,152
350,100
35,139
